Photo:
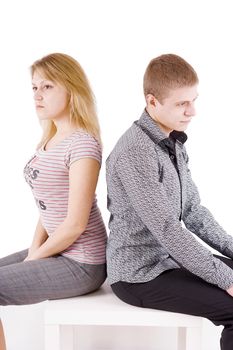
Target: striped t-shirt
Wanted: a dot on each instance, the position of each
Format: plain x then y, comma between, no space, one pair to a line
47,172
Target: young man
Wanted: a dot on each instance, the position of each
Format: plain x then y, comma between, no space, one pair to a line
153,261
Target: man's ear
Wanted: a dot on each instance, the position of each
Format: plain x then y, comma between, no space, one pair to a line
151,101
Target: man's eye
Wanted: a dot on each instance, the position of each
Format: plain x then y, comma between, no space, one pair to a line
46,87
34,88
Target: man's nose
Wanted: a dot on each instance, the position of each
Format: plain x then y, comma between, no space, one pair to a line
190,110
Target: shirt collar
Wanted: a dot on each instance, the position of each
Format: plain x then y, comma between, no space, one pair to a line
151,128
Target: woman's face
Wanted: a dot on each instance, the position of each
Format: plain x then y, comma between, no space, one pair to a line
51,99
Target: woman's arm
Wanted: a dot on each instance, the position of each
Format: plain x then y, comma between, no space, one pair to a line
39,238
83,176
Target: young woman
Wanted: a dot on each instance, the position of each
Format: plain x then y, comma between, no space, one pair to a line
67,254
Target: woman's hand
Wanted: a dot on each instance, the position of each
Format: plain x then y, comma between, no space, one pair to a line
28,258
30,254
40,236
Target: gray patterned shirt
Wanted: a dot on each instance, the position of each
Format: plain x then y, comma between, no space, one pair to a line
147,199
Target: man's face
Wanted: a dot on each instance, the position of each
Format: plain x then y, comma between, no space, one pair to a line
175,112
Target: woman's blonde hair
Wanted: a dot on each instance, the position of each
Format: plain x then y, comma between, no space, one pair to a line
66,71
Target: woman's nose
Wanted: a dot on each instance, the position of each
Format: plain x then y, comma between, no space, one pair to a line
38,95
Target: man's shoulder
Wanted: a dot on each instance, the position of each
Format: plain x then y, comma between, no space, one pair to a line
131,141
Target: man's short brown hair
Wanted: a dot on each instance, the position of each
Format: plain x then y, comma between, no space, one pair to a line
167,72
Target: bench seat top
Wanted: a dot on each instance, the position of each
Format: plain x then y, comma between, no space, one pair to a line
102,307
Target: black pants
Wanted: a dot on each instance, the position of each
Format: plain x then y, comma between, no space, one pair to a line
178,290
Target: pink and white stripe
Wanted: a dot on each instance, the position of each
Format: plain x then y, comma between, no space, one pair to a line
48,175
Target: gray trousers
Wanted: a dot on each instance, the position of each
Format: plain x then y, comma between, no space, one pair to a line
55,277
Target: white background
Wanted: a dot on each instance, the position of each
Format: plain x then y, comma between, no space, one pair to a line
113,41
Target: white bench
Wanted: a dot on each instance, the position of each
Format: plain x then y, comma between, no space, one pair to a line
103,308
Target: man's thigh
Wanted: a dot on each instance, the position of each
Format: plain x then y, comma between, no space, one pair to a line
178,290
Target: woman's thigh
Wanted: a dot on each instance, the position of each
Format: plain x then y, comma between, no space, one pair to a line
50,278
13,258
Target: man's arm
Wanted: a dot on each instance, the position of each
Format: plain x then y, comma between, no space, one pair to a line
199,220
138,172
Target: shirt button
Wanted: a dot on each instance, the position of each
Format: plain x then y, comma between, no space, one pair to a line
172,157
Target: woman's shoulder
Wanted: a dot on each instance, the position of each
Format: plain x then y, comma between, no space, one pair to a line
83,145
81,136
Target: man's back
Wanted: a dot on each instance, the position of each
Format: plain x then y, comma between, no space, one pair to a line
134,252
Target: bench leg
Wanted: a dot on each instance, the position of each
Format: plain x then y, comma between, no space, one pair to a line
59,337
189,338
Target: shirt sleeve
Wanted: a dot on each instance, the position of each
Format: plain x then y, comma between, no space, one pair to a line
138,172
199,220
83,146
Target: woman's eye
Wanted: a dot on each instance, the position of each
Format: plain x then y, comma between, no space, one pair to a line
46,87
34,88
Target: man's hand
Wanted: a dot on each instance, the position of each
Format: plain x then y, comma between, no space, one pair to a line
230,291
